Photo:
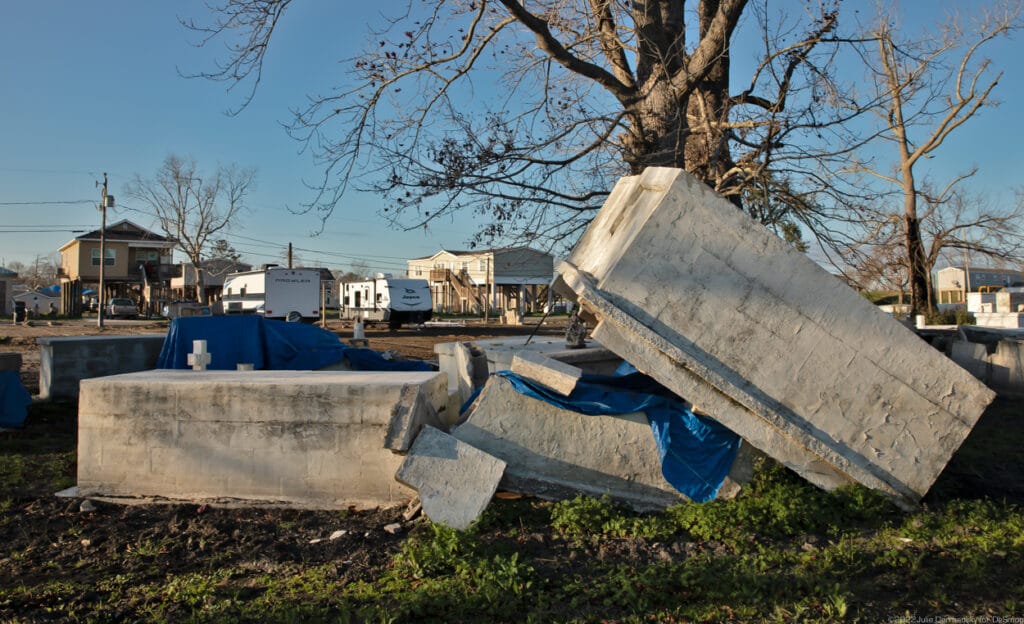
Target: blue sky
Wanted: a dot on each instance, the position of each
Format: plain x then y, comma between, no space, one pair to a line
93,87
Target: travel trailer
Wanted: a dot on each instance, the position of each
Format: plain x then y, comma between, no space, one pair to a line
390,300
275,292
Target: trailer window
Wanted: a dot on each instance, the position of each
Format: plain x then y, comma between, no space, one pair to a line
380,297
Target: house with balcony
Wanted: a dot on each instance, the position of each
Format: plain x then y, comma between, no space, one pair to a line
507,278
137,263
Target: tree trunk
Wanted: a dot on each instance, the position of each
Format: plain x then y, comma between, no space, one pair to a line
920,302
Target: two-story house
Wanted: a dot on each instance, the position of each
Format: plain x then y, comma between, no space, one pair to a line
508,278
137,263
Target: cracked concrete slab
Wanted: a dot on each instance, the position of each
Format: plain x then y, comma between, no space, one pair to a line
556,454
455,481
715,307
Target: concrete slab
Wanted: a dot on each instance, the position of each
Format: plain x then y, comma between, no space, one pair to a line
306,438
455,481
556,454
723,312
548,372
65,361
10,361
468,364
411,413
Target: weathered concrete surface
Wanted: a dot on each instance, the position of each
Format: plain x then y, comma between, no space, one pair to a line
468,364
413,411
454,480
554,453
712,305
65,361
10,361
548,372
306,438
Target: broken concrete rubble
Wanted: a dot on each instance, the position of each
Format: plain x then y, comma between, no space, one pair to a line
549,372
455,481
724,313
555,453
468,364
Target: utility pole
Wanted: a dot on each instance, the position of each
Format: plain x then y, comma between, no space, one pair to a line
106,201
289,255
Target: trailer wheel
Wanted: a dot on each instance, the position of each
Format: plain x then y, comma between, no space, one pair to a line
394,325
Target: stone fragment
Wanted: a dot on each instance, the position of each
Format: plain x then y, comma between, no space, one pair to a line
410,414
548,372
455,481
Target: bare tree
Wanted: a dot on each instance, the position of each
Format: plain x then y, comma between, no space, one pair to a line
525,112
927,88
42,272
192,207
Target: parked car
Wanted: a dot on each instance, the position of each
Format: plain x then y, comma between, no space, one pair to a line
122,307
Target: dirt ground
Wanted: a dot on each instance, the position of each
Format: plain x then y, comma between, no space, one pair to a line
182,537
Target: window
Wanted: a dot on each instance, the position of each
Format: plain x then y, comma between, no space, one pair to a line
482,266
465,266
111,257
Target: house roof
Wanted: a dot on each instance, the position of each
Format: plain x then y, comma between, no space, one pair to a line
5,272
981,270
123,231
478,252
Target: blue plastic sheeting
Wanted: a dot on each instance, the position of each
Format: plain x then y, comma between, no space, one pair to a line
268,345
696,452
14,400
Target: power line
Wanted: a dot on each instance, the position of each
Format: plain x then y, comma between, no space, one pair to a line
39,231
48,203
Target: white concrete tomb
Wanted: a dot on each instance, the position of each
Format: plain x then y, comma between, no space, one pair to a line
306,438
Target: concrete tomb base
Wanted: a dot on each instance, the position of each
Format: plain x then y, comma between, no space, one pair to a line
65,361
314,439
728,316
556,454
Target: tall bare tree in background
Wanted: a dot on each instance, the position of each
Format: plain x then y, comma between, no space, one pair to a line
525,113
927,88
191,206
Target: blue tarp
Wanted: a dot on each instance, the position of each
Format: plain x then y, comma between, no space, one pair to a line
696,451
14,400
268,345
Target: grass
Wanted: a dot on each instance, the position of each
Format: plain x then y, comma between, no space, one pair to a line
782,551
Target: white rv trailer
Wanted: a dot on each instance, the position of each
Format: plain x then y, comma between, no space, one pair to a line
275,292
387,300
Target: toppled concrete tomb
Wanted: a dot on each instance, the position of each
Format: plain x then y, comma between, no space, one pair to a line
305,438
721,311
555,453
